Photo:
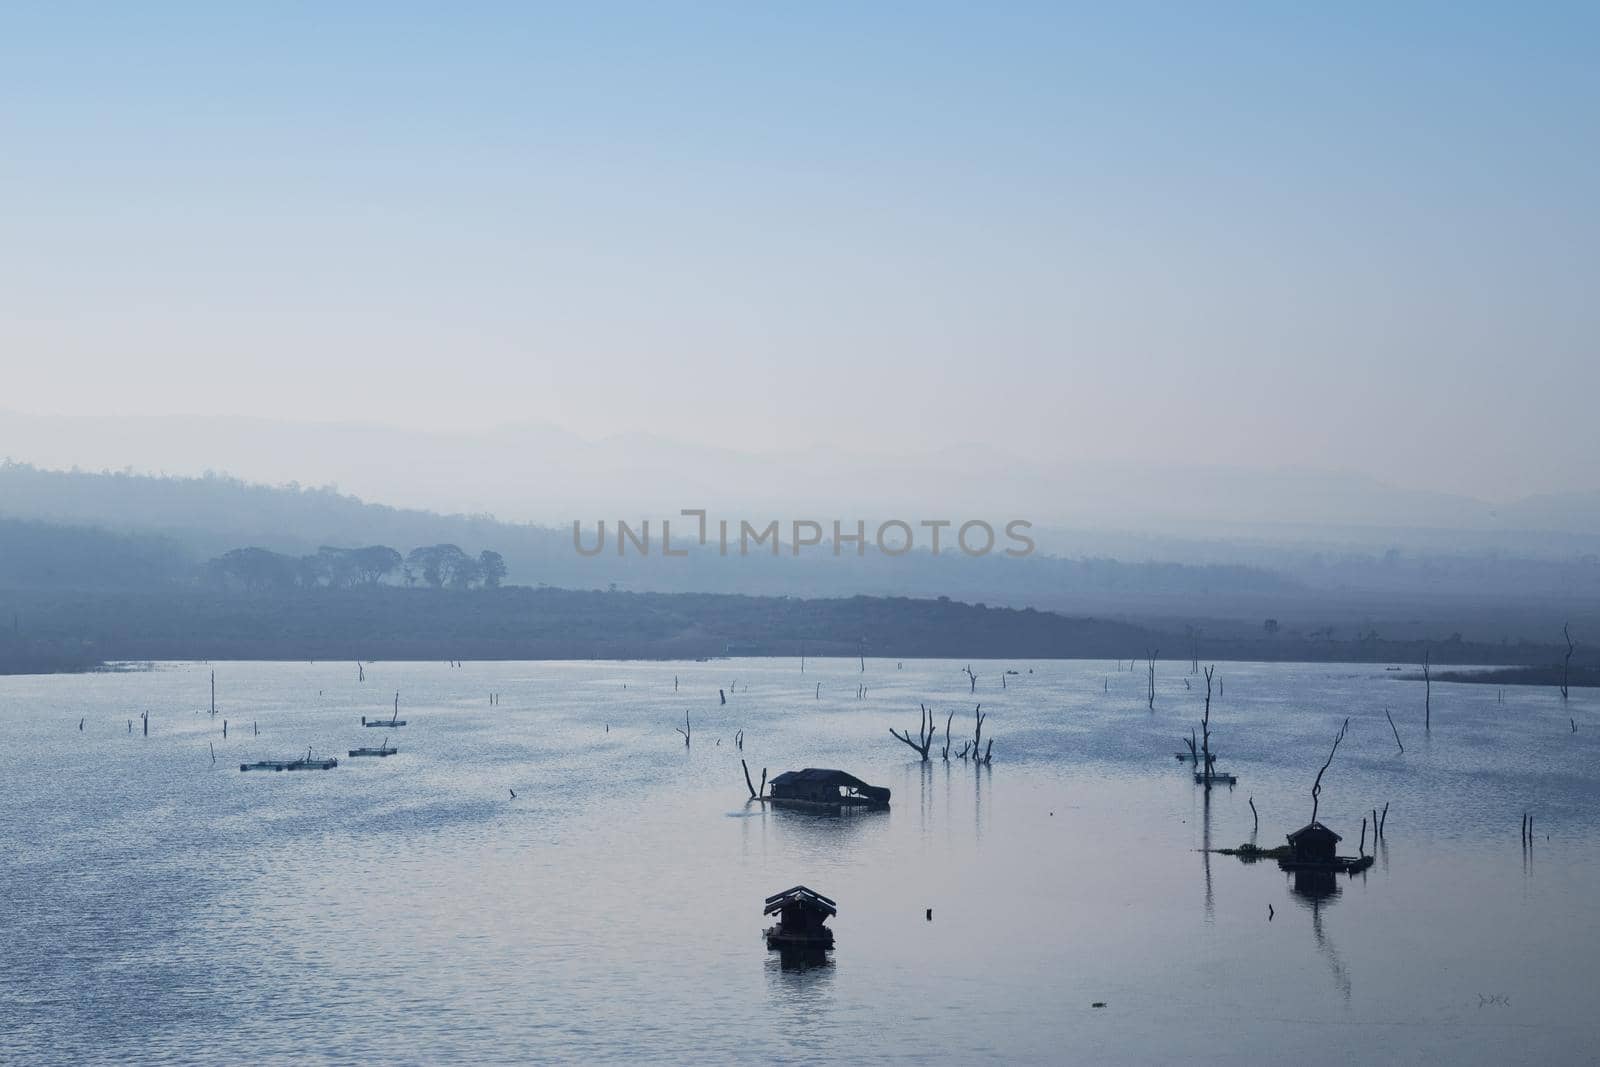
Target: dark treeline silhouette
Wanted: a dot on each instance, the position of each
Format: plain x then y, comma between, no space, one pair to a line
55,630
261,570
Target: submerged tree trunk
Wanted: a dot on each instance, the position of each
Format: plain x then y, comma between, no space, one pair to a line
1427,692
1316,787
925,730
749,785
1566,664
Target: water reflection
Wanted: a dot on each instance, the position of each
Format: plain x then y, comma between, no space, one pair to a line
799,959
1317,890
847,819
800,995
980,784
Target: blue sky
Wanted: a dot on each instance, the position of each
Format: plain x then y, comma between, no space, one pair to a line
1352,236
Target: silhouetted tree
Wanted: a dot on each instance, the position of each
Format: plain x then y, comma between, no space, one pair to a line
439,564
259,570
491,568
375,563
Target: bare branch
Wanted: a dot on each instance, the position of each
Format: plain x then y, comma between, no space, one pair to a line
1316,787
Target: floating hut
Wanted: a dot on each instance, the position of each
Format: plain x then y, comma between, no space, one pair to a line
381,722
1314,847
801,914
824,788
384,749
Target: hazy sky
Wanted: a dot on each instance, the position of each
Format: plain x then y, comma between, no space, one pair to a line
1358,236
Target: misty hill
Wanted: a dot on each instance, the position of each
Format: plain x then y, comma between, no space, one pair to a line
206,517
539,473
176,526
41,555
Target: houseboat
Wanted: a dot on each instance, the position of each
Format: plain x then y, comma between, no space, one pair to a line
816,787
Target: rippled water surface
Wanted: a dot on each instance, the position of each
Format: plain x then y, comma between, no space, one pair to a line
161,907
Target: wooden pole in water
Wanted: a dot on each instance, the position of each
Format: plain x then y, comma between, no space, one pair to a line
224,729
145,717
1255,820
1396,731
1427,693
213,692
1384,818
1363,845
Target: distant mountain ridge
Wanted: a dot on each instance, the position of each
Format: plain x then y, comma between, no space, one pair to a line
544,474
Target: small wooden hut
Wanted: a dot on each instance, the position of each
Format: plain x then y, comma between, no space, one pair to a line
801,914
815,785
1314,843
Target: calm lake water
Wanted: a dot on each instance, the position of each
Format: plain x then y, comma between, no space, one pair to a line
160,907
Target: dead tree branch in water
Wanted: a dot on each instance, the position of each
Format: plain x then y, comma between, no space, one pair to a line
1395,729
1427,692
977,740
948,720
925,730
1152,672
754,794
684,729
1566,664
1205,730
1316,787
972,679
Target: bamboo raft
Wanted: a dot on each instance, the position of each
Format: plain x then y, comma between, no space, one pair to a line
304,764
1217,778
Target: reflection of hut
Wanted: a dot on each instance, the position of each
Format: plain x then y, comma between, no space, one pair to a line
801,914
1314,843
833,788
1315,885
